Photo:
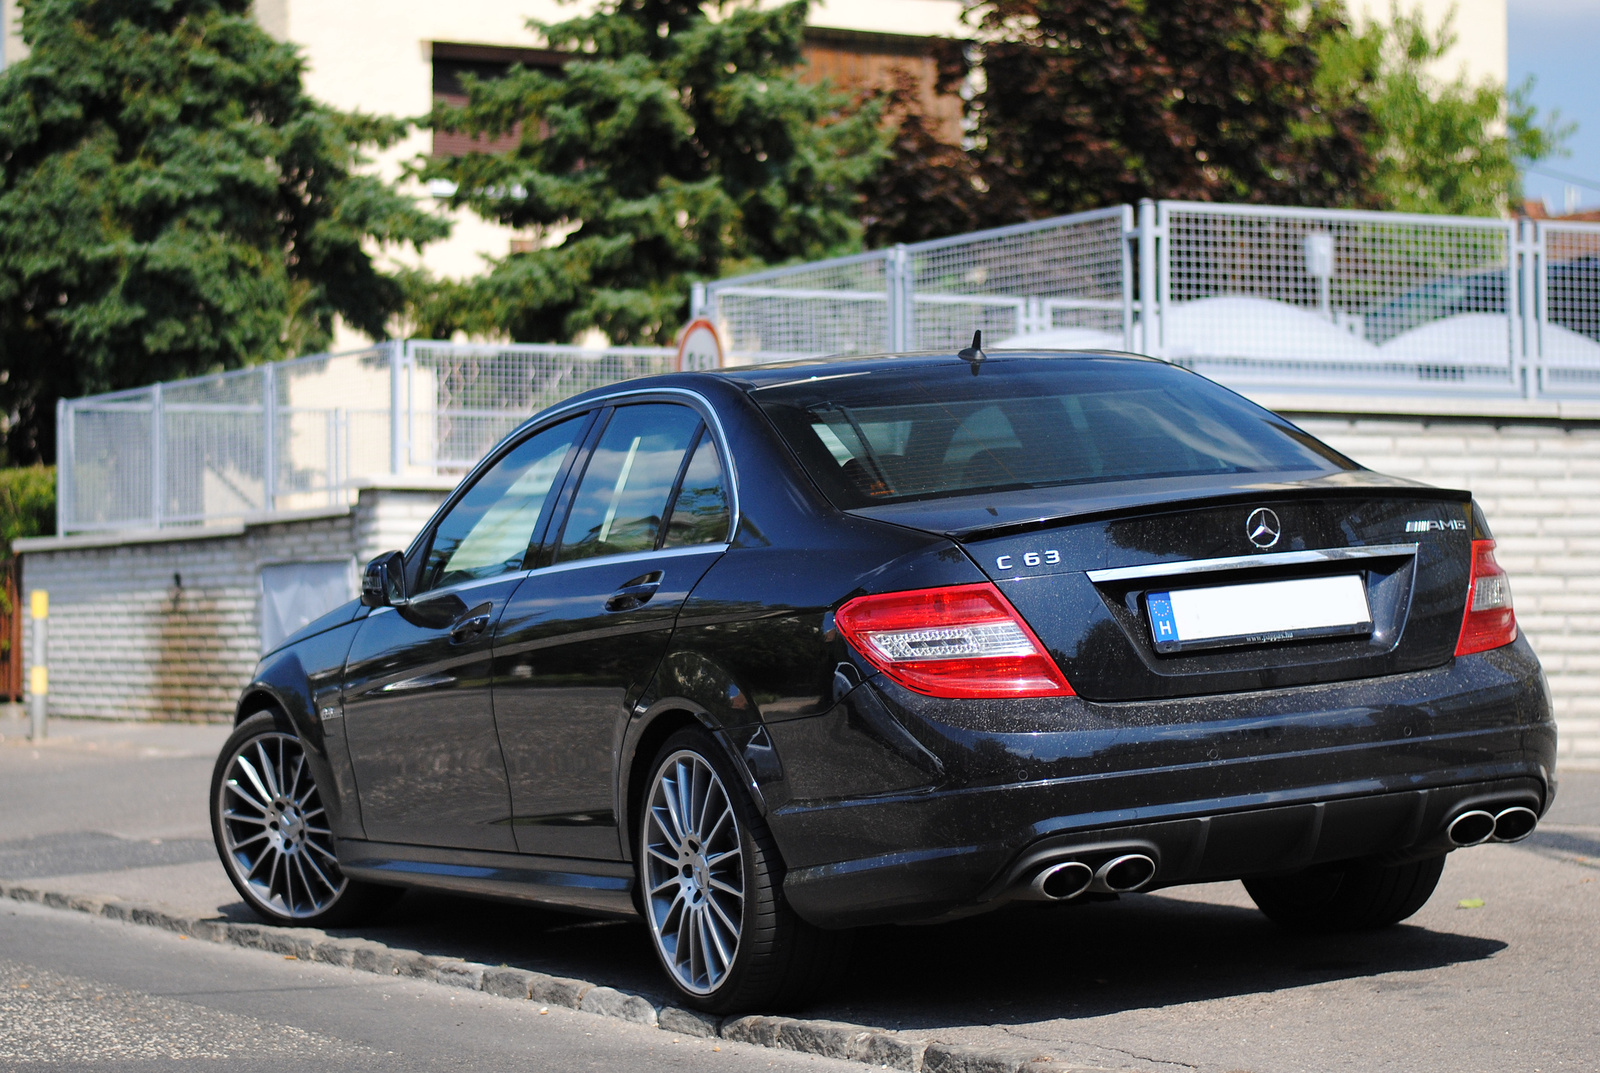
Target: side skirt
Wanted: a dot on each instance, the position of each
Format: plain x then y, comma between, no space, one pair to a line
571,883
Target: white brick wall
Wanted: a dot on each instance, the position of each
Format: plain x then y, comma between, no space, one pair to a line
1539,485
169,628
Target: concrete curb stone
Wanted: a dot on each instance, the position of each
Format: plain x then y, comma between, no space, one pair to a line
465,974
688,1022
829,1039
609,1002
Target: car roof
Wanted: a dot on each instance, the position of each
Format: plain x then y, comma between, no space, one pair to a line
750,378
755,377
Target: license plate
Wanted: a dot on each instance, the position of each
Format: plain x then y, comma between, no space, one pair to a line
1262,612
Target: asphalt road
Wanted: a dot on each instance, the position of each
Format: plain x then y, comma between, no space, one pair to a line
1188,978
77,992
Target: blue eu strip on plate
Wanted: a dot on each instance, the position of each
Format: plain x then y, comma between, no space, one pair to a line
1162,625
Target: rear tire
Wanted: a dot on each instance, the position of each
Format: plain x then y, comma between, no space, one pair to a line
271,831
711,889
1349,896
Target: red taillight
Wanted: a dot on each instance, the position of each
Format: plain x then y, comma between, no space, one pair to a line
1489,621
957,641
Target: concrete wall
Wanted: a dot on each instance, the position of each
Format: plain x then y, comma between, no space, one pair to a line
168,626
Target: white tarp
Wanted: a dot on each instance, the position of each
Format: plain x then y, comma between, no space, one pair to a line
293,594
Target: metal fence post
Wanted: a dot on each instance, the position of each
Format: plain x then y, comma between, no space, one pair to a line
1149,334
1533,308
697,300
269,438
896,277
65,457
1130,235
39,673
157,458
396,442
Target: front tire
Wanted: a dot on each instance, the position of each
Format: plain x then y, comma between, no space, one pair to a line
1350,896
710,881
271,830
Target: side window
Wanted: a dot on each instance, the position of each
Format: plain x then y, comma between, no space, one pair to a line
700,512
488,531
623,496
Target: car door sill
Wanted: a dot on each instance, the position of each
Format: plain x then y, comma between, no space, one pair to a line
574,883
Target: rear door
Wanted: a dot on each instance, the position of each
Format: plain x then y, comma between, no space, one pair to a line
419,716
583,635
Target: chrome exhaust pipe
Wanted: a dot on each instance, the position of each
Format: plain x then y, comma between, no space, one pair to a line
1471,828
1514,824
1066,879
1124,874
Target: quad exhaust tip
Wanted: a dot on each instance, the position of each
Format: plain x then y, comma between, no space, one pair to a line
1471,828
1514,824
1068,879
1478,826
1126,873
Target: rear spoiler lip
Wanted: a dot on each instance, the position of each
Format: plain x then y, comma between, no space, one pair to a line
951,516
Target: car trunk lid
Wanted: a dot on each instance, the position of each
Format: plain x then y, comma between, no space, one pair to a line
1082,565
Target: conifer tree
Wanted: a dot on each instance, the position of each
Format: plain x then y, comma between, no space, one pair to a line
173,203
672,147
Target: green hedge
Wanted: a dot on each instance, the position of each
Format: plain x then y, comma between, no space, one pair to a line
27,504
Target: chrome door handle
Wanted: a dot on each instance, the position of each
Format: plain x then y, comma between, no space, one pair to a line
635,593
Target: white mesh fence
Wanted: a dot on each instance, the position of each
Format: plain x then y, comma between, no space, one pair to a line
1254,296
1564,339
1257,295
1067,273
305,433
460,399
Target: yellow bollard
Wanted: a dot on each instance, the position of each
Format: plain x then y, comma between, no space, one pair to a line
39,673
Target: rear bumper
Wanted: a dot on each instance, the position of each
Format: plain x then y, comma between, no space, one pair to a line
1211,788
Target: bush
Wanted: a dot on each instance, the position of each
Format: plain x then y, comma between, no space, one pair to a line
27,505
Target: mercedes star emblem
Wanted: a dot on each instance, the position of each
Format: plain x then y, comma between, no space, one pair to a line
1262,528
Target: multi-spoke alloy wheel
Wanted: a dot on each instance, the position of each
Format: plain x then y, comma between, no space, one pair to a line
274,829
711,887
694,872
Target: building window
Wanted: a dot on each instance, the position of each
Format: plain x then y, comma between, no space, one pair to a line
452,61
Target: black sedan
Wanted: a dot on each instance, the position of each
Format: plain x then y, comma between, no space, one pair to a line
764,654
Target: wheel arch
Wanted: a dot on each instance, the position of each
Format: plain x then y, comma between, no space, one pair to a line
645,738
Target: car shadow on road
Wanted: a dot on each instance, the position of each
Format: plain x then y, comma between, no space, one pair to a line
1019,965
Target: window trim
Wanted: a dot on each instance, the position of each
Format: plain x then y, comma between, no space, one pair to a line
548,555
605,405
591,408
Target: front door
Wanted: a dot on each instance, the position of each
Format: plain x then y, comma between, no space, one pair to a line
582,637
419,714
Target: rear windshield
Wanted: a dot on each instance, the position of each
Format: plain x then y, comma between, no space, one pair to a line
929,431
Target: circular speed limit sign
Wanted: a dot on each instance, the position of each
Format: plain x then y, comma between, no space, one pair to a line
699,348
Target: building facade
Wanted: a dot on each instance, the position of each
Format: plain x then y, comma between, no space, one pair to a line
395,57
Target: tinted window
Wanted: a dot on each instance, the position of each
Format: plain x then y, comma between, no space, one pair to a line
623,496
488,531
924,432
700,510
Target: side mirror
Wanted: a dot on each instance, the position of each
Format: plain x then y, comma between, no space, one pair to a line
383,583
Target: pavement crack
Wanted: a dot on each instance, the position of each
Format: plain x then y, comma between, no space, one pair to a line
1015,1033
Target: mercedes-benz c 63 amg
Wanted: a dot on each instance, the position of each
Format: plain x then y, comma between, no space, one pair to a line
764,654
